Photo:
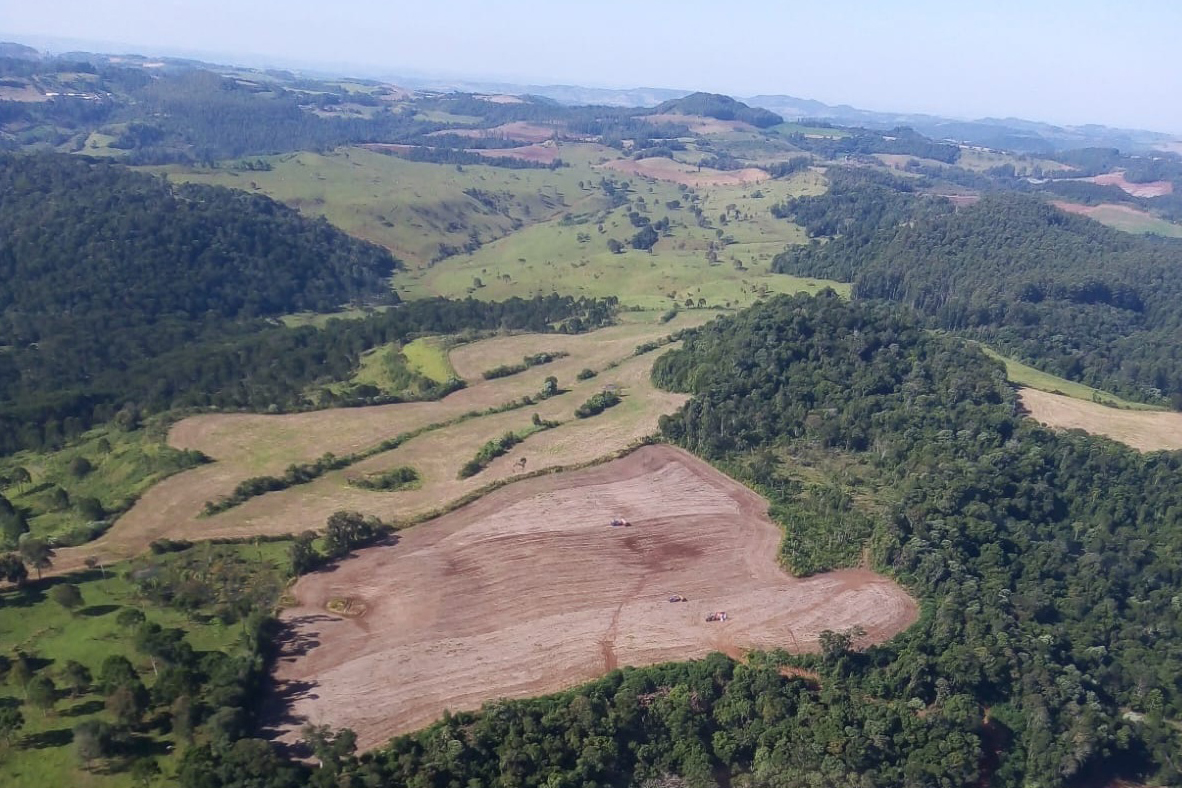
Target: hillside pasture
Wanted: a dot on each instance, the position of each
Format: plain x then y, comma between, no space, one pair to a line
415,209
1024,375
528,591
570,254
1123,217
662,169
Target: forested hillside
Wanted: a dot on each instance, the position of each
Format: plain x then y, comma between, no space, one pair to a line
1049,561
119,291
1048,650
1060,292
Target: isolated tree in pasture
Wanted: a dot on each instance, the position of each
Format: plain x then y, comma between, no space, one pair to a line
77,677
21,672
42,693
93,739
129,618
12,569
79,467
11,722
37,553
68,595
128,703
144,771
20,476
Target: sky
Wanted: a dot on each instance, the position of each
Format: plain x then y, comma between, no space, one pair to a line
1061,61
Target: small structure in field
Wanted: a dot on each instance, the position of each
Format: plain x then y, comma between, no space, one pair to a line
717,616
678,598
619,522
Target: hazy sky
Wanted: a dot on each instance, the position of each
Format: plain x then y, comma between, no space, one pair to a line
1063,61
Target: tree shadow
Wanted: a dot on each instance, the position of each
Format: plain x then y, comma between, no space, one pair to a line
83,708
47,739
94,611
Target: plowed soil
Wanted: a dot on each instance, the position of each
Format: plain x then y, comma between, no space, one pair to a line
528,591
1147,430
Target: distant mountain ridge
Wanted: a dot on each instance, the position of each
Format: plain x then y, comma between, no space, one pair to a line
1015,134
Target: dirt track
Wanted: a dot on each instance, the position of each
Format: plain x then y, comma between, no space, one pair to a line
528,591
1147,430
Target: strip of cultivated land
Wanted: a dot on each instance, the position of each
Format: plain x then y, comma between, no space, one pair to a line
530,590
1147,430
246,445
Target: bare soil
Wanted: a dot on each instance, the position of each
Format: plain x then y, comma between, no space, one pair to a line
529,591
1147,430
1152,189
244,445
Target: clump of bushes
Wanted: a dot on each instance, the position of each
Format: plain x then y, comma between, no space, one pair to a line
598,404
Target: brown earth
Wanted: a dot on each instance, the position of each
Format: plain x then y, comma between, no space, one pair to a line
662,169
245,445
1147,430
529,591
1152,189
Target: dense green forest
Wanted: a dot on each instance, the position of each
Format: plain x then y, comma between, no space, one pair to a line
1060,292
714,105
1049,562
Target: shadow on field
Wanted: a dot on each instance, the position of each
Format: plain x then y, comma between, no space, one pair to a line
82,709
94,611
46,739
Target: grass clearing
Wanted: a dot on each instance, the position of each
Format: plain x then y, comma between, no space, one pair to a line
1024,375
1124,217
122,466
415,209
428,356
723,264
44,754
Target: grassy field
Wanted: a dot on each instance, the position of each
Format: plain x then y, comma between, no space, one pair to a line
1125,218
726,264
43,753
122,466
1023,375
981,160
542,231
428,356
412,208
810,131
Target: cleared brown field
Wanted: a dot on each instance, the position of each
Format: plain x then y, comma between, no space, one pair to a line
244,445
529,591
1147,430
1152,189
663,169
